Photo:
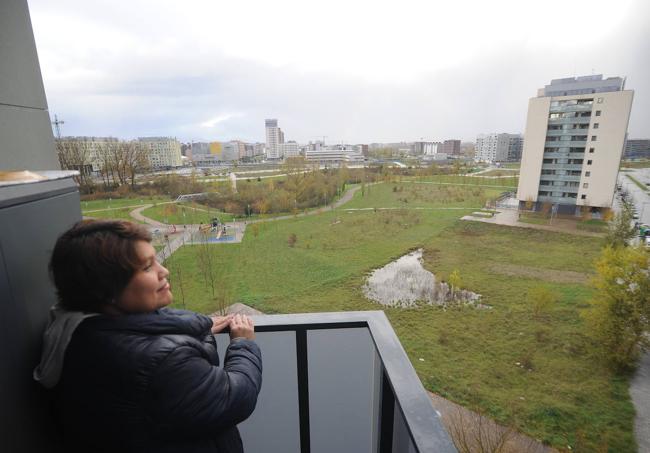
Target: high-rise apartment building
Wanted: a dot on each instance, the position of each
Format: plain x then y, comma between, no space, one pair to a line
575,134
498,147
450,147
274,136
163,152
637,149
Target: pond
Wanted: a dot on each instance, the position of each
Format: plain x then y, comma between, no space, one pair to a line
406,283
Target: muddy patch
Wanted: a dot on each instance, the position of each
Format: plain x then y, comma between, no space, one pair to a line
405,283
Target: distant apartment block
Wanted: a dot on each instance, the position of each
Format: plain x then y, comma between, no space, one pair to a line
637,149
274,137
426,148
289,149
450,147
338,153
498,147
94,150
163,152
575,134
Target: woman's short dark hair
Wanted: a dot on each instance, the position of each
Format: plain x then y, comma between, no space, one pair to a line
94,261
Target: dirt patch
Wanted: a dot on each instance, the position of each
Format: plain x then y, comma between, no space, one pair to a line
550,275
476,432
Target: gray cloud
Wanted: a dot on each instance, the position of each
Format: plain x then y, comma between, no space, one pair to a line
173,92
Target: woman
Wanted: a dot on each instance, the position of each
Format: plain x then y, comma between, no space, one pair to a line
129,375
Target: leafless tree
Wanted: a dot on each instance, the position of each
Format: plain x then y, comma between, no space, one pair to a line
73,155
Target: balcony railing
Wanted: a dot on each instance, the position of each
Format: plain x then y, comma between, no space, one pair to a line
574,120
573,178
339,382
561,166
562,144
571,108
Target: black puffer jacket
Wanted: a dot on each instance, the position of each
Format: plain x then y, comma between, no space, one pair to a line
151,383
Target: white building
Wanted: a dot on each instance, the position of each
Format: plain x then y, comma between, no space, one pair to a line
95,148
575,136
163,151
339,153
498,147
274,137
289,149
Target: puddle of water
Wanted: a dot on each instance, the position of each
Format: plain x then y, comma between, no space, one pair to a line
405,283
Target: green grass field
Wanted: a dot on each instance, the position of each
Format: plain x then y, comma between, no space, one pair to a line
560,391
185,213
504,183
119,203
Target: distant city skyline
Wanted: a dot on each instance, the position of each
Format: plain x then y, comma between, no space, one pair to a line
207,71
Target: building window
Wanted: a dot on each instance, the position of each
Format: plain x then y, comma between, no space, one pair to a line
585,185
596,125
589,162
600,100
594,138
597,112
583,197
587,173
591,150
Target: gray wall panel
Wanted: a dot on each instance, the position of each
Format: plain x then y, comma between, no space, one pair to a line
28,232
26,141
20,74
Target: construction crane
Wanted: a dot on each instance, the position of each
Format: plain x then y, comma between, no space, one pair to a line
57,123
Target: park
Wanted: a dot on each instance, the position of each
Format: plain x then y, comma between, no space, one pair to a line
525,364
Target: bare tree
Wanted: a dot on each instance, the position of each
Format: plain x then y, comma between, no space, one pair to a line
74,155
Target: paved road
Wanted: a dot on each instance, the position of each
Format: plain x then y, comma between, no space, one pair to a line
640,197
510,217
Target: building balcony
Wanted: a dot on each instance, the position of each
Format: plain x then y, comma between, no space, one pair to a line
575,120
562,167
561,132
564,155
339,382
570,178
571,108
568,143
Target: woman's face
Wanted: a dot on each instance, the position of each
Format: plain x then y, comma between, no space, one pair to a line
148,289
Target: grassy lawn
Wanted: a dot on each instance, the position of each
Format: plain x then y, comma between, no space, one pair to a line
409,194
596,225
636,164
119,203
559,391
506,182
507,173
184,213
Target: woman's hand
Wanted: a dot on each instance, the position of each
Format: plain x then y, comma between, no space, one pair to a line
220,322
241,326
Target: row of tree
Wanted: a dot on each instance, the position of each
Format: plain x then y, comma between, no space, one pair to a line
118,162
620,318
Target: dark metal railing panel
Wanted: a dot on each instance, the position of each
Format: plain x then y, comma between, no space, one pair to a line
274,425
342,374
420,419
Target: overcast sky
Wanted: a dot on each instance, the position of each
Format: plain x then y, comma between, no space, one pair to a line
354,71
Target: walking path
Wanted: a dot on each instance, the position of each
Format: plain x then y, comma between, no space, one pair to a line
640,394
510,217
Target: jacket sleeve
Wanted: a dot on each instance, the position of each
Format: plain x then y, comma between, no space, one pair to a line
188,394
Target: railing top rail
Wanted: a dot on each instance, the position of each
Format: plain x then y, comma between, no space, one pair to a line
422,421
